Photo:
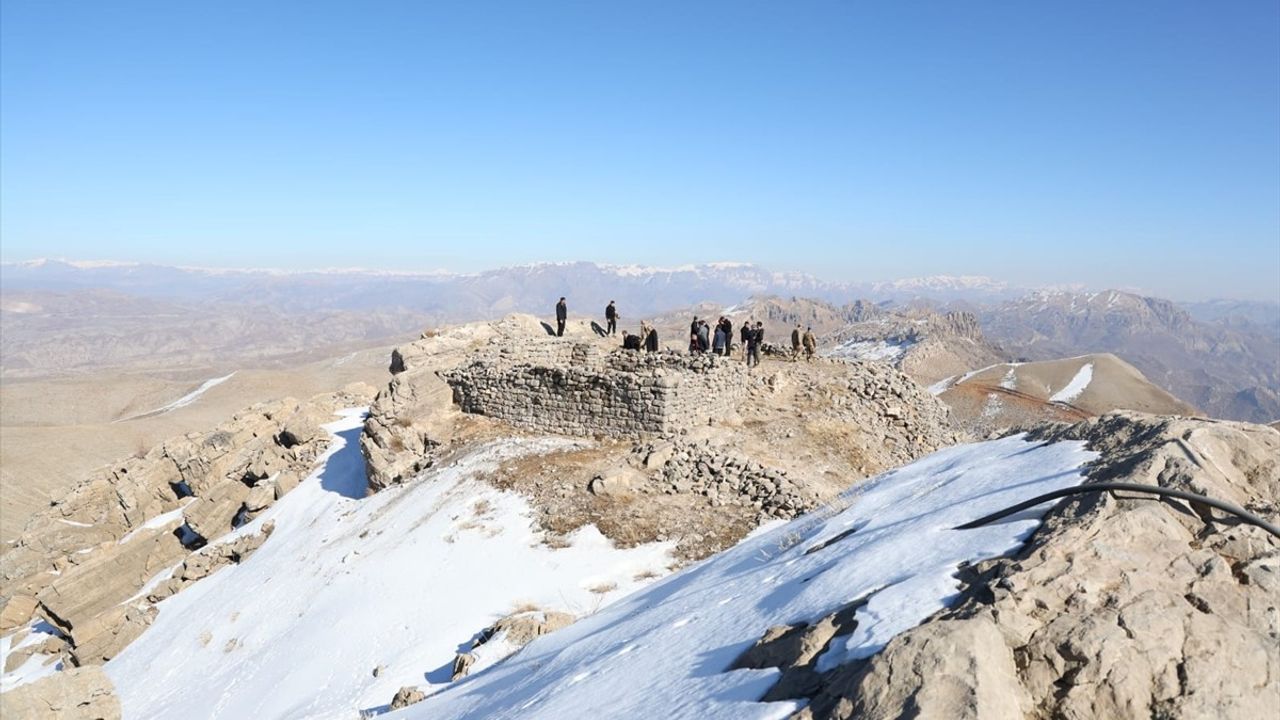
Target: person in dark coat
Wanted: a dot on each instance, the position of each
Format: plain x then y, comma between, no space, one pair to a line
795,343
753,345
746,338
611,318
562,315
651,340
717,344
693,336
630,342
728,335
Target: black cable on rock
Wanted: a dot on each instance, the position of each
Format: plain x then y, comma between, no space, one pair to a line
1226,507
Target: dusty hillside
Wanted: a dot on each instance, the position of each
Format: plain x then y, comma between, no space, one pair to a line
49,334
1021,394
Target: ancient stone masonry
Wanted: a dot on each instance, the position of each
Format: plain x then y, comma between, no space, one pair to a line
577,389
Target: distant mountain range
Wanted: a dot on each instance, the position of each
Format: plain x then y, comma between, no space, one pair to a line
1227,369
1221,356
463,296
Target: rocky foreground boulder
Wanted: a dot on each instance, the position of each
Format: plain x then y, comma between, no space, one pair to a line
1117,607
82,563
75,694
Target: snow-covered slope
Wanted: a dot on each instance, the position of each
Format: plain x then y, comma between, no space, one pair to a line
665,652
890,351
403,579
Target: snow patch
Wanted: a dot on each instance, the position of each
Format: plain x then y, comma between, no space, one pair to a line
183,401
877,350
1073,389
39,665
1010,380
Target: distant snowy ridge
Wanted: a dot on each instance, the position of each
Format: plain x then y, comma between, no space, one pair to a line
183,401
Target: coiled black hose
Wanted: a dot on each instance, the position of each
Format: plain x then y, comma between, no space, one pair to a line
1226,507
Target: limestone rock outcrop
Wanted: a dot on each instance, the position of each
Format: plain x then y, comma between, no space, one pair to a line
511,633
81,563
406,696
75,694
414,414
1118,606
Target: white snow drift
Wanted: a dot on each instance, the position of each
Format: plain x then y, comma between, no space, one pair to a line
664,651
402,579
1078,385
887,351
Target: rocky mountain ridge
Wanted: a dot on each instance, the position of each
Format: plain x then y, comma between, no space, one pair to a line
1031,636
1225,371
1006,395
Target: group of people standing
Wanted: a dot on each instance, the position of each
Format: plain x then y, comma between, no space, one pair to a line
702,338
806,341
720,341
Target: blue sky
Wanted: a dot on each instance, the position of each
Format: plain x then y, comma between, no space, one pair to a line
1116,144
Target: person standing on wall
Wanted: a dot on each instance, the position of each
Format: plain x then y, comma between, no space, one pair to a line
611,318
562,315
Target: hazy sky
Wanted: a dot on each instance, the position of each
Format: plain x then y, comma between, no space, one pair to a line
1111,143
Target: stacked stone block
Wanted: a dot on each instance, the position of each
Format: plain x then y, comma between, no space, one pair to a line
578,389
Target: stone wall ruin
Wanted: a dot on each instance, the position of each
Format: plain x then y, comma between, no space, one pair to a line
578,389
